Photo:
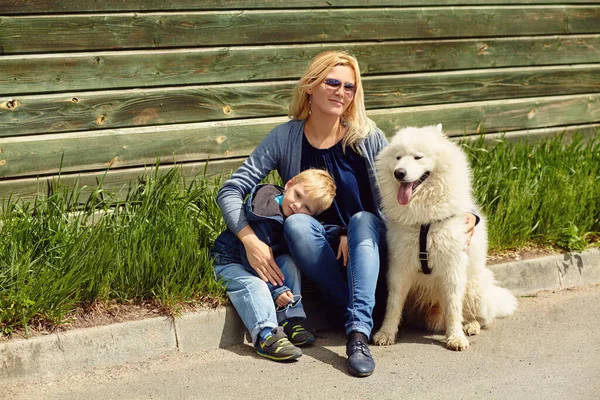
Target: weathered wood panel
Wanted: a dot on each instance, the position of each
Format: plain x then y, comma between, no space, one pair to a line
71,6
76,32
114,181
131,69
41,154
535,135
141,107
121,83
495,116
158,106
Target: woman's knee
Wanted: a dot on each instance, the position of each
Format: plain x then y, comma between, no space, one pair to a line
366,220
299,227
363,217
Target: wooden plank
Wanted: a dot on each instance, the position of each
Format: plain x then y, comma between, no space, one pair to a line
130,147
116,182
535,135
72,6
583,19
385,91
86,32
21,75
495,116
143,107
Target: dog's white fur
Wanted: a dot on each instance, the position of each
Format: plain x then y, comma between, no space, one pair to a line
460,294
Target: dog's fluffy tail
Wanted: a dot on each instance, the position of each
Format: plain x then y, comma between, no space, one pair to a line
502,301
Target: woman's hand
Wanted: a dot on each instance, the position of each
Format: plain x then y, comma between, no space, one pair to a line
260,257
343,249
470,220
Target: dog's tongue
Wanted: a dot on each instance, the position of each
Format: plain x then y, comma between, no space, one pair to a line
405,193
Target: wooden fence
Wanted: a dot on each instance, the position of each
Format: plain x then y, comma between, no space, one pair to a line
86,85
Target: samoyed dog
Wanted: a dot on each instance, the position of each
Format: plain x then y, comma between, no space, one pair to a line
425,183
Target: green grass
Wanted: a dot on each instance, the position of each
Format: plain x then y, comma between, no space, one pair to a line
546,192
153,245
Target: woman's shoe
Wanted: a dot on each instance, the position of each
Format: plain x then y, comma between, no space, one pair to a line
360,361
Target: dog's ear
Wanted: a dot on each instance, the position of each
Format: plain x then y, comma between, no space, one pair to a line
438,128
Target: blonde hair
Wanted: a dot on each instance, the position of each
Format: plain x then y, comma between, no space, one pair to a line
318,184
355,117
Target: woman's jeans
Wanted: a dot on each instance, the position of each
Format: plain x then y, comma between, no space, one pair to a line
253,298
352,287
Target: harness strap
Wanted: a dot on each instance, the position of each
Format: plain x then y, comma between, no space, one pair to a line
423,255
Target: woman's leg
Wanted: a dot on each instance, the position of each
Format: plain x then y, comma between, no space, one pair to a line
250,296
365,234
309,246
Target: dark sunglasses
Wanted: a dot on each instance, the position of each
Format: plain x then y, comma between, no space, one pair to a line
349,88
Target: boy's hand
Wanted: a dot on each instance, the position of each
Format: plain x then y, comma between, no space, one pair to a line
343,249
284,299
470,221
260,257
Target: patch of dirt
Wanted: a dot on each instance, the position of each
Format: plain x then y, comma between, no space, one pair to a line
525,253
112,312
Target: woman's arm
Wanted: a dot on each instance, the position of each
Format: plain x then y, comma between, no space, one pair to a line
260,256
231,197
255,168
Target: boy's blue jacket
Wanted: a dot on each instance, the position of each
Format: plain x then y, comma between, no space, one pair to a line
268,228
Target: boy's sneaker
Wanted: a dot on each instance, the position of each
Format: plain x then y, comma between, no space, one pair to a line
277,346
296,333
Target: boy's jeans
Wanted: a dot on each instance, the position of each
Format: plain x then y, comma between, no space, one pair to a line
253,298
315,253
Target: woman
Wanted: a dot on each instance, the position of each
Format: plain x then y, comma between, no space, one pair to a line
329,129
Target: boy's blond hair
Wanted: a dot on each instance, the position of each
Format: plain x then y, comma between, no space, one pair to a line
355,117
318,184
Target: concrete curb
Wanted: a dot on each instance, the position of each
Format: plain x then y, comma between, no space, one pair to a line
208,330
549,273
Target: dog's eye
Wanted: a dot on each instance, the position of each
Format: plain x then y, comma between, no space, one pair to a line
418,157
398,157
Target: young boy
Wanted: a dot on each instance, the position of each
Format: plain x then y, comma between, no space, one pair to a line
310,192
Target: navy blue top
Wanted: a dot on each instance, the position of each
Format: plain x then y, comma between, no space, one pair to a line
349,171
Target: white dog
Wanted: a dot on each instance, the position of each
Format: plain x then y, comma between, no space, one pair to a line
425,180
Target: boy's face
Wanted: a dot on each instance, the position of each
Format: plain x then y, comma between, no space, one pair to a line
296,201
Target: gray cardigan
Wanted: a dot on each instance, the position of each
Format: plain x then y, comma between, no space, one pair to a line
281,150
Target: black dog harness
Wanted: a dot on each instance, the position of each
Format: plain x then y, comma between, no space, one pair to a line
423,254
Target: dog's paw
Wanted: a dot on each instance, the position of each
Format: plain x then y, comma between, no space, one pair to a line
472,328
382,338
457,343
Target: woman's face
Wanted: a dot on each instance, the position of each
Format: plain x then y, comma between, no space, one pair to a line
334,95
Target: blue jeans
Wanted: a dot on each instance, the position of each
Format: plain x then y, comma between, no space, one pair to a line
353,287
253,298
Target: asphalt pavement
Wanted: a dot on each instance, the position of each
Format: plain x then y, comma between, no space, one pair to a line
549,349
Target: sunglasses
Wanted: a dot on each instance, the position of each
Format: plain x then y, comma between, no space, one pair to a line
349,88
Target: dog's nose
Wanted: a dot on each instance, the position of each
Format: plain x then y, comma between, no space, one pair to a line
399,173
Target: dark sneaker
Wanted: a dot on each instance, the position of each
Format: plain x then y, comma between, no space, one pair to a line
360,361
277,346
296,333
